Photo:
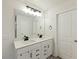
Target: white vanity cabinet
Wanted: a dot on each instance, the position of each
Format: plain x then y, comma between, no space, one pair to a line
38,50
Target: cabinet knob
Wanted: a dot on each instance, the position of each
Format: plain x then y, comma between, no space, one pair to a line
75,41
45,54
37,50
38,58
45,50
21,54
38,54
44,46
48,46
28,51
30,55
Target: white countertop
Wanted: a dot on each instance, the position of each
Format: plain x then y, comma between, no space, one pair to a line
21,43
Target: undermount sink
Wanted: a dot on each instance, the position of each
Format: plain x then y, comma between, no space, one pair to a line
38,39
21,43
28,41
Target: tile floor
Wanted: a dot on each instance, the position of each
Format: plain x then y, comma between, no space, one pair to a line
51,57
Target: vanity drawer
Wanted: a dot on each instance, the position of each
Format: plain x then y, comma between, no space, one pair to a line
47,48
50,47
23,50
25,55
36,51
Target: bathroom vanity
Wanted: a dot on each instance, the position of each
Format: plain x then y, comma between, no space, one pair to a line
30,41
41,48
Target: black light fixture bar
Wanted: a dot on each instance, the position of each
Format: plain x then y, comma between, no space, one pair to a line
33,9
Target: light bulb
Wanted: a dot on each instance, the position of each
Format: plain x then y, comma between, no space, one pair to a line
30,11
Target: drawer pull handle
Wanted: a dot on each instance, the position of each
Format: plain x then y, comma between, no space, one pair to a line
48,46
44,46
45,54
37,54
31,55
37,50
28,51
38,58
20,54
45,50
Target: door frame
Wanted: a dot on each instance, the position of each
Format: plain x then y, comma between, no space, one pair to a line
57,15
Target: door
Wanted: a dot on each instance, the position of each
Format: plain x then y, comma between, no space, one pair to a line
67,46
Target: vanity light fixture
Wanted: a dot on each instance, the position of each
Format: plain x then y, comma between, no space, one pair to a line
32,11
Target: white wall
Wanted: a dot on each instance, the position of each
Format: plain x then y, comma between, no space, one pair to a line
8,33
7,30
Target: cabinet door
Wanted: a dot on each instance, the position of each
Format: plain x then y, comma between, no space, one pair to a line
27,52
23,56
23,53
50,47
47,48
44,49
27,55
36,51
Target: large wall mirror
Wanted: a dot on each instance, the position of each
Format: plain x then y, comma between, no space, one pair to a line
28,24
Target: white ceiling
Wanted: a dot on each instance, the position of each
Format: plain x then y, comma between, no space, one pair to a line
47,4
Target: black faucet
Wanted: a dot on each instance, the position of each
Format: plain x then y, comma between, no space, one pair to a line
26,38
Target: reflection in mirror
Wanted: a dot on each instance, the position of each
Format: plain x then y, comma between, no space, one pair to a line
28,25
